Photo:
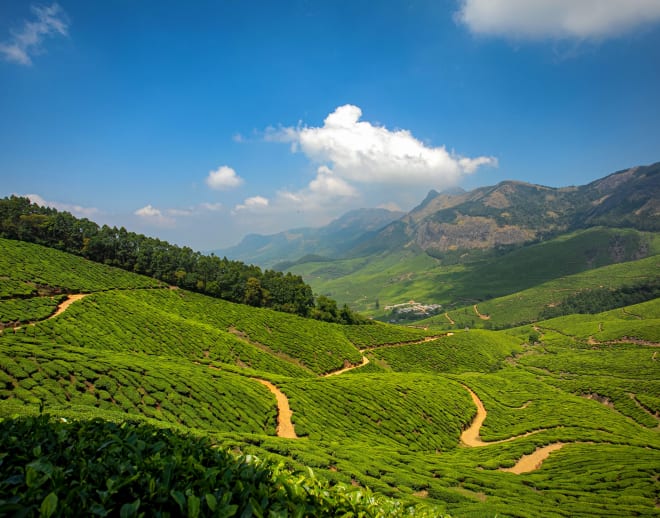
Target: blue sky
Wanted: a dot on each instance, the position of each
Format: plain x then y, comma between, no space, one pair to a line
199,122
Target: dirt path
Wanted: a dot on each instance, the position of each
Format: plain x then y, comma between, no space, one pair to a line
482,317
470,437
365,360
533,461
284,425
63,306
451,321
402,344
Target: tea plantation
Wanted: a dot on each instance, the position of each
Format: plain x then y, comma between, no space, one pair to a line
143,400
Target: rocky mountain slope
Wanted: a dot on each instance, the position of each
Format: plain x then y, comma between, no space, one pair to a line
516,212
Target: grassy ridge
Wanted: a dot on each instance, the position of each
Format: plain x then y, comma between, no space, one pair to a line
473,351
415,412
379,334
118,321
25,265
66,378
402,275
527,305
320,346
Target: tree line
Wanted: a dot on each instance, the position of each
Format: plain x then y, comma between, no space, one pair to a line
218,277
597,300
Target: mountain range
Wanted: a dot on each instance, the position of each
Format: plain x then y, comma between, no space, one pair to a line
509,213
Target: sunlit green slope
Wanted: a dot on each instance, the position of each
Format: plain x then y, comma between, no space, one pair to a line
587,385
405,274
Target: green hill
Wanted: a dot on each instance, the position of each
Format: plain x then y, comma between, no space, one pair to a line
396,277
156,401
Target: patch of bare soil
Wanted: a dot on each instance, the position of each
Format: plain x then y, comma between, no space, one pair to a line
601,399
482,317
63,306
284,425
533,461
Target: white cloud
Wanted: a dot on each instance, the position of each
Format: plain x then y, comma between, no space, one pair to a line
153,215
327,183
212,207
557,18
76,210
359,151
25,42
224,177
253,203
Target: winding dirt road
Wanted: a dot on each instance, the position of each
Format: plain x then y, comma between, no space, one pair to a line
365,360
470,437
285,427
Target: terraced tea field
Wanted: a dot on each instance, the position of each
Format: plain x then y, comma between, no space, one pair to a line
476,423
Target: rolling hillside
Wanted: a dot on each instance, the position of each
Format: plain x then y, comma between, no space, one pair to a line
396,277
559,419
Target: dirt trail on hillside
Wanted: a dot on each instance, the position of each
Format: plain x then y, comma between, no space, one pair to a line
533,461
402,344
63,306
365,360
482,317
284,425
470,437
451,321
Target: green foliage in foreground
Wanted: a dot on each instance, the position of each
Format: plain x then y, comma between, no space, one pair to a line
50,468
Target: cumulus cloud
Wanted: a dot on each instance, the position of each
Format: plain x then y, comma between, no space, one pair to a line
77,210
223,178
327,183
581,19
253,203
153,215
25,42
358,151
